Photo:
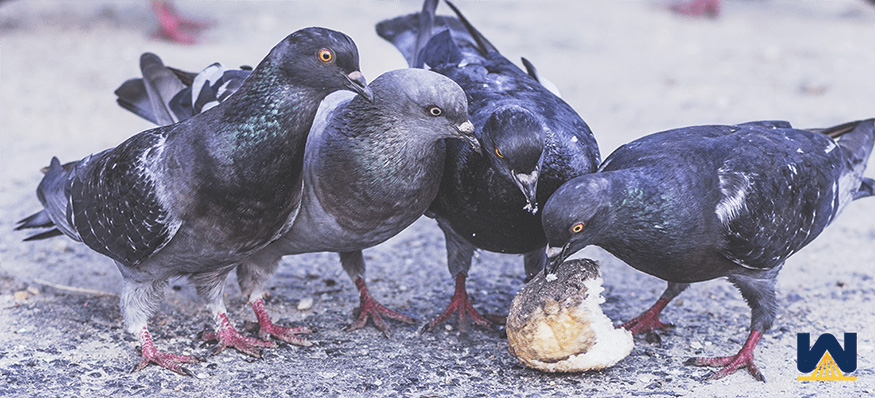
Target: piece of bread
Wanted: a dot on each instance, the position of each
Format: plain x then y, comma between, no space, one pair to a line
555,323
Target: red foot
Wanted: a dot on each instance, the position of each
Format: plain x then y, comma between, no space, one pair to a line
699,8
370,308
267,328
731,364
172,26
150,354
648,321
462,305
228,337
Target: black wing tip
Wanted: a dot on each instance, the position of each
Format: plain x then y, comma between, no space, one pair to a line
838,131
44,235
37,220
483,44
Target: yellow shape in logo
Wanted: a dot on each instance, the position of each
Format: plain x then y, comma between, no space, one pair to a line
827,370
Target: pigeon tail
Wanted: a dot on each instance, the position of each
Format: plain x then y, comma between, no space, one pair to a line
856,140
161,85
52,194
165,95
483,45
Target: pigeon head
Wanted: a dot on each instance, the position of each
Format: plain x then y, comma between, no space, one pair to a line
320,58
514,142
575,216
425,103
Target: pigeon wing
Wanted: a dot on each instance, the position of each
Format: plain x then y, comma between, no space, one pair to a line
778,192
114,200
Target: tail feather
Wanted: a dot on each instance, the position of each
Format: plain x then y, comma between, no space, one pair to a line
44,235
404,32
483,45
52,194
866,189
162,85
39,219
132,96
856,139
426,26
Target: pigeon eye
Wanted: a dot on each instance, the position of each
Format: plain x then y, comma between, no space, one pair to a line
577,228
498,153
325,55
435,111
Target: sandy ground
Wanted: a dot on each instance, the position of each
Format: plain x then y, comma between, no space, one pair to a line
630,68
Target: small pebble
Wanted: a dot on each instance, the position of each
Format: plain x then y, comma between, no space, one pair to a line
697,345
305,304
20,295
551,277
202,375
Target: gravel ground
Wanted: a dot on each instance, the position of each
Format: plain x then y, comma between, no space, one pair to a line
630,68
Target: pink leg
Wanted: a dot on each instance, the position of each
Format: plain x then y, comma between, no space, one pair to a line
730,364
149,354
462,305
267,328
172,26
370,308
228,337
698,8
648,320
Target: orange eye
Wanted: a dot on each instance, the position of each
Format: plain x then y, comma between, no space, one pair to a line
325,55
498,153
577,228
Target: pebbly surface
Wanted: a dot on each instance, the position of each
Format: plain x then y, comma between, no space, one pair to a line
629,68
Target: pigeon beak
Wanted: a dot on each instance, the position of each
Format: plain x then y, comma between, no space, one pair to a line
355,81
528,184
555,257
467,133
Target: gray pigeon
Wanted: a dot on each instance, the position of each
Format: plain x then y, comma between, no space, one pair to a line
370,172
352,200
197,197
704,202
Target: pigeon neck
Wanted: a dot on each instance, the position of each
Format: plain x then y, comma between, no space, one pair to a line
271,109
642,208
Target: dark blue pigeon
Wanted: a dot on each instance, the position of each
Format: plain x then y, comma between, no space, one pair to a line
352,200
196,197
532,142
699,203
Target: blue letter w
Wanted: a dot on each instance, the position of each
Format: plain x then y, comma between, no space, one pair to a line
807,359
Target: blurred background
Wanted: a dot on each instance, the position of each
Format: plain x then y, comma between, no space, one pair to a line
629,68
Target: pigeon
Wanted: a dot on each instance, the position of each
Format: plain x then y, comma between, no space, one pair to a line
699,203
196,197
352,199
532,143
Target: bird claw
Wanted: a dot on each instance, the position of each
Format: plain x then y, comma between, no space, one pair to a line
461,305
647,322
730,365
287,334
165,360
370,308
228,337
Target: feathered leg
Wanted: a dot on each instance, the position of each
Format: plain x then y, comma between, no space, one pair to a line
138,302
252,274
354,265
649,321
759,292
211,286
459,253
